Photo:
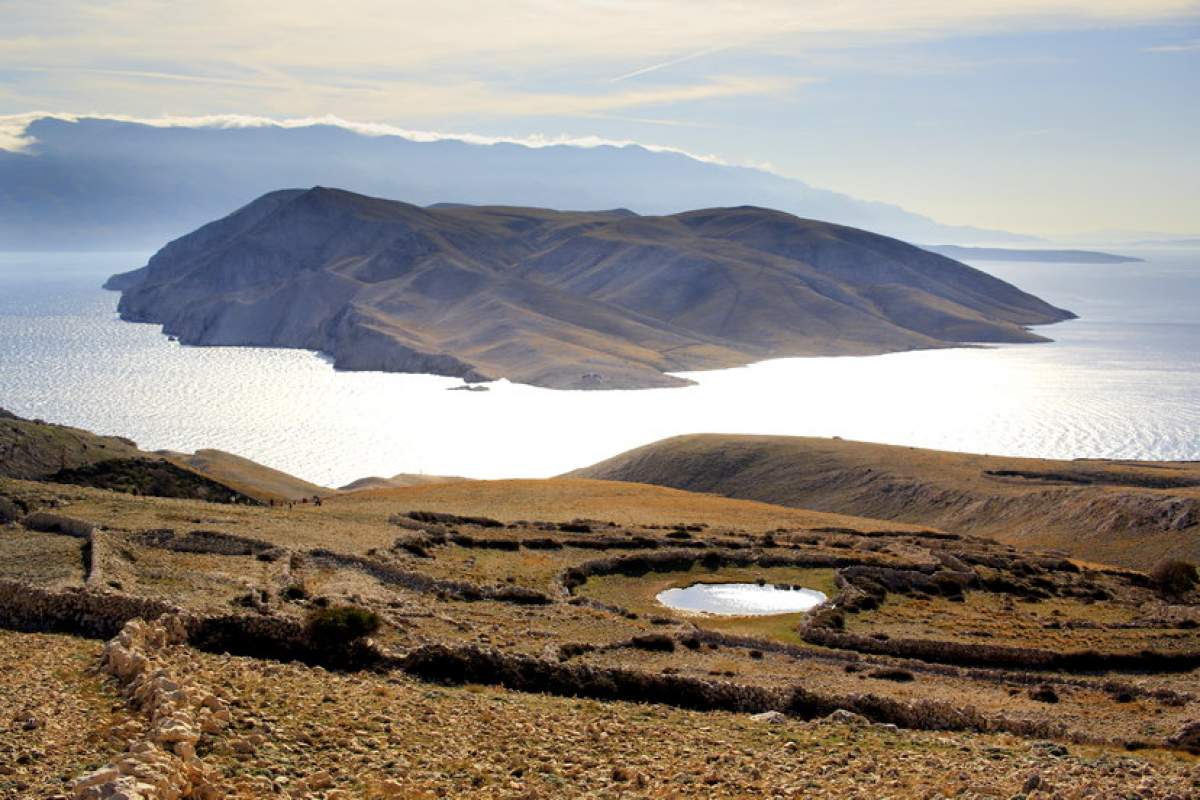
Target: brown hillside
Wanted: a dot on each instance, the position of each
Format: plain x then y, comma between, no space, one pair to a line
565,300
38,450
1123,512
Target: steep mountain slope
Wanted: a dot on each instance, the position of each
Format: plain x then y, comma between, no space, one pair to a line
559,299
1131,513
101,183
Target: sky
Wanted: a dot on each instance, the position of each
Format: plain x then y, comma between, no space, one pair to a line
1046,117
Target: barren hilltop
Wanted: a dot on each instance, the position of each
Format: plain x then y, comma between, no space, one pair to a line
1122,512
565,300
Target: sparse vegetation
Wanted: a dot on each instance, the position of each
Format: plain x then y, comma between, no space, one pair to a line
1175,578
515,610
152,477
337,626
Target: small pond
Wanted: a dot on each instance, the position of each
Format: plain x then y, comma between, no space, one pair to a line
741,599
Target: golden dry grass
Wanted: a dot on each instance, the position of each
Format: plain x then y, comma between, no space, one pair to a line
1122,512
563,499
377,737
248,477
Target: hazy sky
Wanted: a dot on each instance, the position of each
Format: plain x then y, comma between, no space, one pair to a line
1042,117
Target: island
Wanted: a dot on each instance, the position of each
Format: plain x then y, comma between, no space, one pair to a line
1047,256
560,299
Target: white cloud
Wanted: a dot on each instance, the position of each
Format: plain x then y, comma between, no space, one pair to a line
13,127
1182,47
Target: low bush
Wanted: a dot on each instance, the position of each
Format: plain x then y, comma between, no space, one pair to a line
337,626
1174,578
654,641
9,511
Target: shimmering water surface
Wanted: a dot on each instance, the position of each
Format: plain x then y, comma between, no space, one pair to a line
1123,381
740,599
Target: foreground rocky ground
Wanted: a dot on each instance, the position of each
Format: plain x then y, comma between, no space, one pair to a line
300,731
522,654
60,718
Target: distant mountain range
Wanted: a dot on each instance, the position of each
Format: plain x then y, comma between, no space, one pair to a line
1012,254
1189,242
572,300
105,184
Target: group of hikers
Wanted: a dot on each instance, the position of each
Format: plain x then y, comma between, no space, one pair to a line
316,501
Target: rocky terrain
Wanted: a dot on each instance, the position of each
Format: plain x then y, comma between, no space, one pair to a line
36,448
41,450
567,300
518,650
1122,512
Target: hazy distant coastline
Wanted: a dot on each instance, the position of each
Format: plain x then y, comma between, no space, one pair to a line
1022,254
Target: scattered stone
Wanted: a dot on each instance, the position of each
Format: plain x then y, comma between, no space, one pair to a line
1188,737
1032,783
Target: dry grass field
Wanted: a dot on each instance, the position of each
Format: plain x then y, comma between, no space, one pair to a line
521,651
1118,512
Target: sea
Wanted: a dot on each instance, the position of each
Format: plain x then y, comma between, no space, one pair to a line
1122,381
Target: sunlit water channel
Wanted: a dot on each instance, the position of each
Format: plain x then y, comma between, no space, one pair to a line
1123,381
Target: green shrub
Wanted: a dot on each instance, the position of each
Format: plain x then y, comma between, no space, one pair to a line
340,625
9,512
1174,578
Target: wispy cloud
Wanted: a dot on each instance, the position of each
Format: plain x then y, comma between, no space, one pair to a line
1181,47
152,75
454,43
637,73
382,98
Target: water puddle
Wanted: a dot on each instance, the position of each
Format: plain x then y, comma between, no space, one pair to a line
741,599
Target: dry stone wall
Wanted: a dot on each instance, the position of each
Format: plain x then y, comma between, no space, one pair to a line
181,709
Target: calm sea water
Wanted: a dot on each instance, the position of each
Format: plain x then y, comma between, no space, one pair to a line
1123,381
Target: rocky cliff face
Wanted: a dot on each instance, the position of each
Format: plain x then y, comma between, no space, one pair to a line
559,299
